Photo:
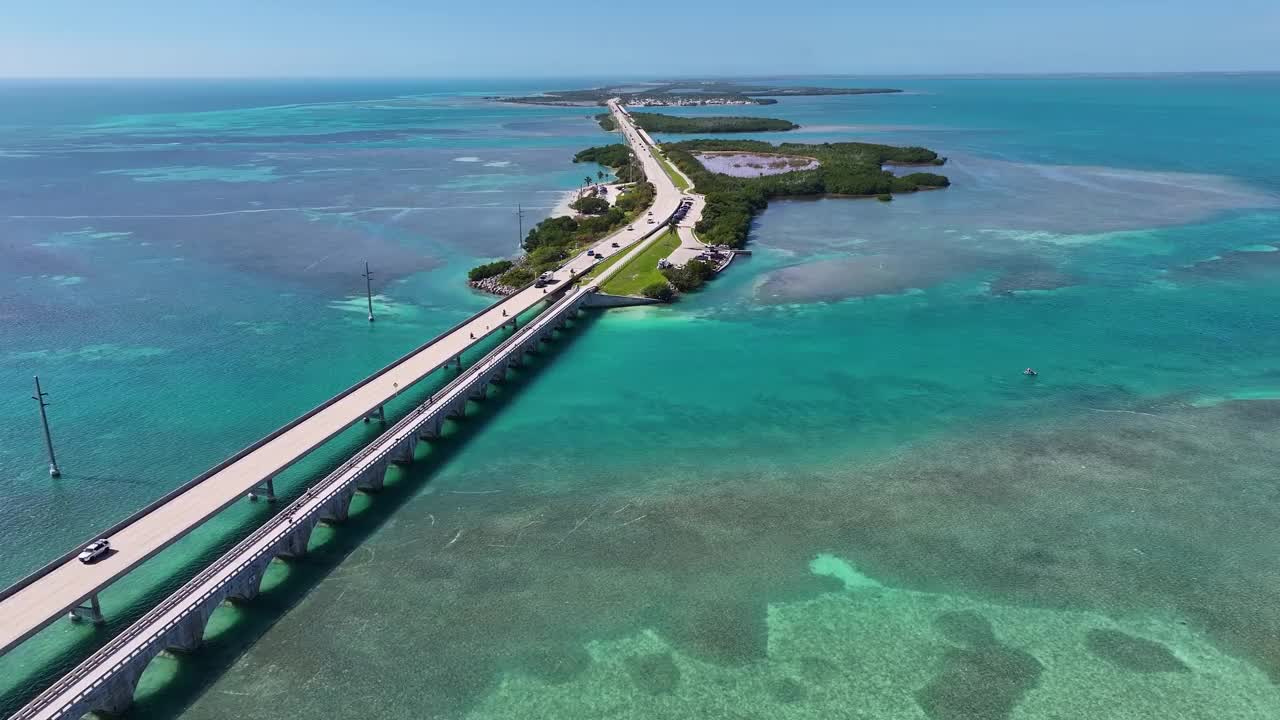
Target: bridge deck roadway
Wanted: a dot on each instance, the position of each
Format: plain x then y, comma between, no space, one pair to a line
71,692
52,591
128,653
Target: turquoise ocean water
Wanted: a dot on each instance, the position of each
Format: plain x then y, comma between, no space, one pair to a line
821,487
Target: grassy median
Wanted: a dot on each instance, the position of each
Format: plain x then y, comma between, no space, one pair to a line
677,178
608,262
643,270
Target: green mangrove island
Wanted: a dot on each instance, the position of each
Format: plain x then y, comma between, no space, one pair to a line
657,122
737,179
554,240
848,169
684,93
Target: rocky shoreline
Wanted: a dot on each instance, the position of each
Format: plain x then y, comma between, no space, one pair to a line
493,287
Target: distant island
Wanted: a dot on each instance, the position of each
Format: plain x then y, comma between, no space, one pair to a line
683,93
757,171
657,122
737,178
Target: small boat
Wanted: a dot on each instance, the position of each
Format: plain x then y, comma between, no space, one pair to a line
1029,372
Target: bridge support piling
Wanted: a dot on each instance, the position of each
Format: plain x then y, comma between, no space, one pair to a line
115,697
457,362
295,544
339,507
431,430
402,454
88,611
377,414
188,634
246,585
373,477
265,489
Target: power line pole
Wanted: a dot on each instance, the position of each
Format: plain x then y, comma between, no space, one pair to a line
368,288
44,421
520,219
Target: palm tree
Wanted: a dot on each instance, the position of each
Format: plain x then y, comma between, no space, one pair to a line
600,175
586,180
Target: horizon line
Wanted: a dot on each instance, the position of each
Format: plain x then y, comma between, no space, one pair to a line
647,78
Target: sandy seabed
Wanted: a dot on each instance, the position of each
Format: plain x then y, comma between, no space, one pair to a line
1099,566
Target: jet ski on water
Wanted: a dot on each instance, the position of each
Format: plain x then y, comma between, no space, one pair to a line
1030,372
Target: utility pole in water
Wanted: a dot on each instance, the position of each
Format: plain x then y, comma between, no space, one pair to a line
520,219
368,288
44,421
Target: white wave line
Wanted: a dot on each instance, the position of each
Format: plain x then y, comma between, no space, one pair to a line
1145,414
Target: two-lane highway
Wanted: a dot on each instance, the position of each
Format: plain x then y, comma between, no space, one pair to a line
49,593
106,680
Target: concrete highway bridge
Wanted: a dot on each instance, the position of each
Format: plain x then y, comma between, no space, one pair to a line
105,682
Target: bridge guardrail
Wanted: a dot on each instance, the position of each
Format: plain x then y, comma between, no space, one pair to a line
48,567
136,515
379,448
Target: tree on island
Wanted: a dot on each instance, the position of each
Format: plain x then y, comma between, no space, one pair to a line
660,291
591,205
600,175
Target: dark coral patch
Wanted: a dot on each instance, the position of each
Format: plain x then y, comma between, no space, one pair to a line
965,627
729,633
556,663
655,674
1030,279
1133,653
979,684
818,668
787,690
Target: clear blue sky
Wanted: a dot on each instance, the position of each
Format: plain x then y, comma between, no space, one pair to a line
506,38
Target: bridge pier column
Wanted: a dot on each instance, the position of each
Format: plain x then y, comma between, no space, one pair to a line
457,362
337,509
188,635
431,430
377,414
116,695
87,611
373,478
295,544
248,583
266,489
403,454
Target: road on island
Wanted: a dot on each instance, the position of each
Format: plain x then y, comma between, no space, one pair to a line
47,594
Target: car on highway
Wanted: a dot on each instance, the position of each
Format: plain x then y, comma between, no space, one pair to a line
614,244
591,253
94,550
631,227
650,221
